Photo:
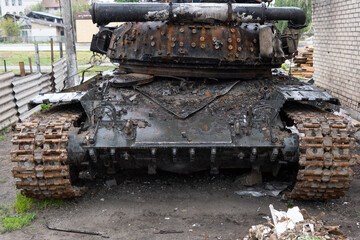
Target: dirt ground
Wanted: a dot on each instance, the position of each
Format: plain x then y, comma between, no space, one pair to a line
200,205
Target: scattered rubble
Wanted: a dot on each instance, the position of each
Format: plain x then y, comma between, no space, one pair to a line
294,224
272,189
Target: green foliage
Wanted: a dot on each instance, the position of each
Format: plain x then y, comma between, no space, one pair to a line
290,205
36,7
45,106
3,133
21,213
47,203
357,214
10,27
305,5
22,203
10,223
78,6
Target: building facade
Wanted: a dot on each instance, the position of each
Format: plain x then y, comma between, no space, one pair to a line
337,50
16,6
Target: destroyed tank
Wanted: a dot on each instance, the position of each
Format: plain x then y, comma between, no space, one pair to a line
194,91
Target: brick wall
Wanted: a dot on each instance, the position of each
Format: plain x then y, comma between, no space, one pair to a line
337,49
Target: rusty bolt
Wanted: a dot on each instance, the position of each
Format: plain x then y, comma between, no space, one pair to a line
182,30
151,37
173,39
181,44
193,31
229,40
230,47
162,33
202,45
255,40
193,44
172,44
238,40
232,30
202,39
152,43
239,49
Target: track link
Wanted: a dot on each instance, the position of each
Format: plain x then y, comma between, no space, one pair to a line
325,154
40,152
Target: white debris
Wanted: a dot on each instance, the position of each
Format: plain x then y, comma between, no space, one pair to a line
285,220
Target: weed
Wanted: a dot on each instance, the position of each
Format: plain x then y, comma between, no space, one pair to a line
310,238
22,203
2,181
45,106
21,213
3,133
357,214
290,205
13,222
46,203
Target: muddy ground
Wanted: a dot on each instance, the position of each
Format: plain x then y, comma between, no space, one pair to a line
200,205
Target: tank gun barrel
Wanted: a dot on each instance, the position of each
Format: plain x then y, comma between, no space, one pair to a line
104,13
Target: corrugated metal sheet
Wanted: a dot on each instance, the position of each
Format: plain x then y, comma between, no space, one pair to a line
16,92
8,113
60,72
26,88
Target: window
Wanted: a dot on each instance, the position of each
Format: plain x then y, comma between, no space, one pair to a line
13,2
20,2
7,2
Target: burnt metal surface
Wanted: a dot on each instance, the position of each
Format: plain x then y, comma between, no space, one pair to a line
194,50
194,91
105,13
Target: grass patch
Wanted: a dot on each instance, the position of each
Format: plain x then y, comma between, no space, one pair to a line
357,214
3,133
13,58
23,211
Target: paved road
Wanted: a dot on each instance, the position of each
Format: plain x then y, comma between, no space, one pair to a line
42,47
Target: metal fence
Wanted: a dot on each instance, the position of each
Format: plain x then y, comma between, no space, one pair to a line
59,69
8,113
16,92
25,89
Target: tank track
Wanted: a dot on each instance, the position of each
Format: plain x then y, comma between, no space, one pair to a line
325,154
41,155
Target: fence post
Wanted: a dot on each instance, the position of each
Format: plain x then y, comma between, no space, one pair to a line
22,69
52,50
61,50
5,66
30,65
37,57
